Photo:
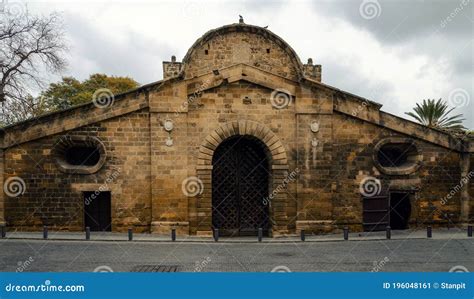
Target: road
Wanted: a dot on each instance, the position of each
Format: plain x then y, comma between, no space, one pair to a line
368,255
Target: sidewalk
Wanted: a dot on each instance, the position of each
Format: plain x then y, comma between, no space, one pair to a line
439,234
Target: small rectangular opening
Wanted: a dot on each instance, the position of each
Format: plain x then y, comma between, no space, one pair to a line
375,213
268,51
400,210
97,210
206,52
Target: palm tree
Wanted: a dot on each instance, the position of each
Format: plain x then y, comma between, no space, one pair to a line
435,114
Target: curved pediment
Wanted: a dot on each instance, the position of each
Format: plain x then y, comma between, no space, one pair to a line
242,43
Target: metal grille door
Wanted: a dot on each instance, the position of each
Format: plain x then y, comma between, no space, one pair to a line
239,186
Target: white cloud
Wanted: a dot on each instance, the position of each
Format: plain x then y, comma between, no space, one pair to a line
133,37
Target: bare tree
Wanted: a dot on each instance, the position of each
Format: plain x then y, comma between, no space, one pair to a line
29,47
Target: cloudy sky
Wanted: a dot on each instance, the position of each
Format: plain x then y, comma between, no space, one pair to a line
392,52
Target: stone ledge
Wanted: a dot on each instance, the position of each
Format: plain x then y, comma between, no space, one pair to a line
164,227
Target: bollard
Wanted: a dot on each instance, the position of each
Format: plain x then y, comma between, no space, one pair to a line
4,231
88,233
173,234
469,230
346,233
429,232
216,234
260,234
303,237
389,232
130,234
45,232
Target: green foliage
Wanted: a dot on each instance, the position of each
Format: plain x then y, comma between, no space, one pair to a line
435,114
71,92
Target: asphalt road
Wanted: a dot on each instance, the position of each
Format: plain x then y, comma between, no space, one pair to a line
387,255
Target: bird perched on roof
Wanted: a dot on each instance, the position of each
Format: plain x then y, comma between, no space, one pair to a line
241,19
265,27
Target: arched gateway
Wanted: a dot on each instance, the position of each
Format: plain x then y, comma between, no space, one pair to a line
243,162
240,175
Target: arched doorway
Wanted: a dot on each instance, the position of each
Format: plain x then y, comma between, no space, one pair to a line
240,183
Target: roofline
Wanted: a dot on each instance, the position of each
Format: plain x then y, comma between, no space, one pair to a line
378,105
149,86
118,96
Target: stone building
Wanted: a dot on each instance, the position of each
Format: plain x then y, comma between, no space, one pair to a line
239,135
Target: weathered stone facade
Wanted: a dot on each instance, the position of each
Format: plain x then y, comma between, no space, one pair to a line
237,80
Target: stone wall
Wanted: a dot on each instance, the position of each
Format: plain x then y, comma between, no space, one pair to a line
54,198
334,195
229,48
169,165
331,160
231,77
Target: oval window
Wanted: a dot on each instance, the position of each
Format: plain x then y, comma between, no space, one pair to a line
79,154
397,156
82,155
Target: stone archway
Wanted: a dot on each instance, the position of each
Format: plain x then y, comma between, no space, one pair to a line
278,162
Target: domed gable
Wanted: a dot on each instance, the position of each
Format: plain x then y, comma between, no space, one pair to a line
242,43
